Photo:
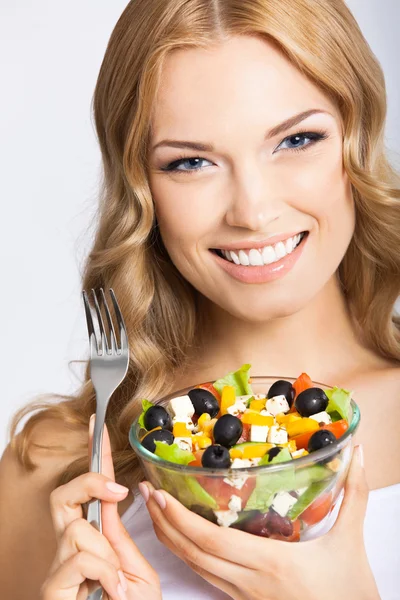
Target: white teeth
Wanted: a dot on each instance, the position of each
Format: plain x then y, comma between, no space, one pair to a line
244,259
289,245
255,258
263,256
280,250
268,255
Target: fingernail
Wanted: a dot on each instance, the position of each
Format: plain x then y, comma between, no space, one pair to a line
91,424
360,451
121,592
116,488
123,580
159,498
144,490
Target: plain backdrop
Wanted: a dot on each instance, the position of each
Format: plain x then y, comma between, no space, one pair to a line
50,54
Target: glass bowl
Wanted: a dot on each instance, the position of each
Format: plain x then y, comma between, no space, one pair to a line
309,485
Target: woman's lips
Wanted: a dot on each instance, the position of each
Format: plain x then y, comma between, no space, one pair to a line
265,273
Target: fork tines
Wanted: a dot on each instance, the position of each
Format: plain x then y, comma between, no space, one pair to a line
99,348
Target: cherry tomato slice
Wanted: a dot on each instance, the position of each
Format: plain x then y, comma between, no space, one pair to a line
318,509
210,387
302,383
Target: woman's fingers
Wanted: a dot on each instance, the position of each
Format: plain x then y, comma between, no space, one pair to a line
64,584
80,536
351,516
231,590
190,552
66,500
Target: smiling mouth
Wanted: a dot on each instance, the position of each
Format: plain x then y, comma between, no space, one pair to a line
262,256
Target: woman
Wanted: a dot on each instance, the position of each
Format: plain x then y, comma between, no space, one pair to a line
253,128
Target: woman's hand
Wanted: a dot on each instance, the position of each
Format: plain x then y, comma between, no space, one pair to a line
86,557
248,567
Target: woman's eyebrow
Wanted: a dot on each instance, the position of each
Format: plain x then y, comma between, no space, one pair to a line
280,128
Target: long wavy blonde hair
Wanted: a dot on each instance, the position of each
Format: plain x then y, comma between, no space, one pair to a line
322,39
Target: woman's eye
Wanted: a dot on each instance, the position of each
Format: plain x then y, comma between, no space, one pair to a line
186,165
300,141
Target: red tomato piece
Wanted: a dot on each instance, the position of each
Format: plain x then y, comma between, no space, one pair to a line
302,383
222,492
197,461
245,437
318,509
337,428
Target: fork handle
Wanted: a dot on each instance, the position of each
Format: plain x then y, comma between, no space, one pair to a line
94,506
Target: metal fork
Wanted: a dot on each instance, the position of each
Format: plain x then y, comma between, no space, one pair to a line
108,367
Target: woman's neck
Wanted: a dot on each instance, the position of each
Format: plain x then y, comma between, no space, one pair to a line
319,339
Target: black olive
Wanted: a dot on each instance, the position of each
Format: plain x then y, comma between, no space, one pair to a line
158,435
204,402
157,416
216,457
320,439
227,430
282,388
311,401
272,452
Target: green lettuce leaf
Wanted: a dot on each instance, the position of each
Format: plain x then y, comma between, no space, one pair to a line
268,484
146,404
307,498
339,401
238,379
290,479
186,489
173,453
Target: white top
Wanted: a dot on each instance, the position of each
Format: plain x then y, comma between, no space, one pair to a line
179,582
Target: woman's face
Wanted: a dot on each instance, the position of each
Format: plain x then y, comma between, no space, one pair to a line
223,179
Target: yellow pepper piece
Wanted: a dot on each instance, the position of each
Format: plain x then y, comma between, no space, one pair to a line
291,444
209,426
180,430
283,419
203,420
254,418
235,453
228,398
256,451
257,405
301,426
203,441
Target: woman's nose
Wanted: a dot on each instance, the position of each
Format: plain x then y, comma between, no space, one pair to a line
253,203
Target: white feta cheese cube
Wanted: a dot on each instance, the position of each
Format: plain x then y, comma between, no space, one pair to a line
244,398
255,461
240,463
283,502
277,404
184,443
322,417
235,503
225,517
237,408
258,433
266,413
277,435
181,407
236,481
259,396
298,453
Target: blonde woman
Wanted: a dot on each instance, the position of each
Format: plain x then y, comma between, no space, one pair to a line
231,132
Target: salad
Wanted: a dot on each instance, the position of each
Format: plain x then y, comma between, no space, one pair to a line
225,427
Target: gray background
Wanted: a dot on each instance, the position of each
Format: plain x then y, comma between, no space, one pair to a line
50,54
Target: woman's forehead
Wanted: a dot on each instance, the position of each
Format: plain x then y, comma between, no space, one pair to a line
243,80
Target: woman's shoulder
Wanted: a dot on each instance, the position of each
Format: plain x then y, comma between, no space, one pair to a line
42,452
